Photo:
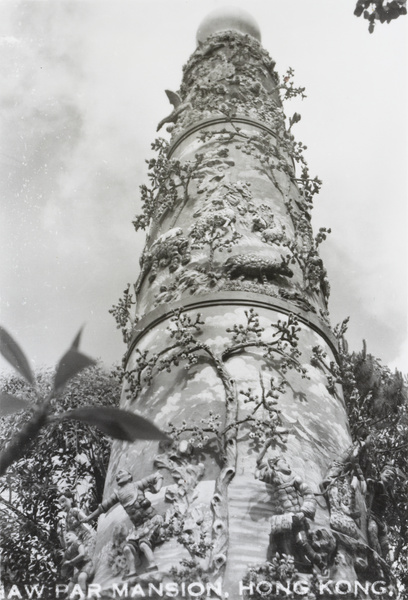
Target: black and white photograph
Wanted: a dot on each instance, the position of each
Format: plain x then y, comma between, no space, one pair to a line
203,310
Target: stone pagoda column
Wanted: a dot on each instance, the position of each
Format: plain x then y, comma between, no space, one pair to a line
233,355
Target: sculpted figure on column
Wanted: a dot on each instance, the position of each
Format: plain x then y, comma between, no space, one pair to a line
73,520
77,565
340,486
294,506
148,524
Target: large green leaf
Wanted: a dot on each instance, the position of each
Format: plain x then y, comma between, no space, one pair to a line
10,404
18,444
15,356
119,424
75,343
71,364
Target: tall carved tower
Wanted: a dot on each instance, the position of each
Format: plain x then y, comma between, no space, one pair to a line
233,355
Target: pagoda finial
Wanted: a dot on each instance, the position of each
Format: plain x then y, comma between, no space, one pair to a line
228,18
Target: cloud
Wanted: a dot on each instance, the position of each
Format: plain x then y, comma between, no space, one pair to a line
82,89
371,296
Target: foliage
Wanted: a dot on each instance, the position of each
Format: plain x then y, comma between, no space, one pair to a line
261,580
65,455
122,312
66,452
187,573
279,578
377,402
169,180
114,421
383,11
377,406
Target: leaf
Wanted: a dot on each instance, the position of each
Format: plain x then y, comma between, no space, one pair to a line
15,356
119,424
70,365
75,343
10,404
18,444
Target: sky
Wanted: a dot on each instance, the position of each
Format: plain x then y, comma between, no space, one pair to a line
81,92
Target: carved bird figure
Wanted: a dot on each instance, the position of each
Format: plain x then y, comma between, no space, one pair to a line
175,100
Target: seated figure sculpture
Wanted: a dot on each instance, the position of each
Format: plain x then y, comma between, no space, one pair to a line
148,524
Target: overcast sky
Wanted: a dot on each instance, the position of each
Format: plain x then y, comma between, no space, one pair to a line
81,92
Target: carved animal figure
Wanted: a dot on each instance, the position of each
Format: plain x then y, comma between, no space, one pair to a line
170,250
171,233
273,234
251,266
179,107
210,220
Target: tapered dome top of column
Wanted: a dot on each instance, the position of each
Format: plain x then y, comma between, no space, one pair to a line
228,18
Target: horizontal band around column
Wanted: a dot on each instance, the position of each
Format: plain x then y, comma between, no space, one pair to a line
231,298
215,121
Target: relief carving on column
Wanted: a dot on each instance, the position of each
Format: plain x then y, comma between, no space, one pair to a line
78,543
293,504
231,74
148,529
356,516
228,207
340,486
188,519
170,251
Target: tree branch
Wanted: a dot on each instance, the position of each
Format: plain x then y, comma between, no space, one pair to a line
39,530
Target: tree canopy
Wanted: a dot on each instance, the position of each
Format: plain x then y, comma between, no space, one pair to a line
382,11
377,406
65,455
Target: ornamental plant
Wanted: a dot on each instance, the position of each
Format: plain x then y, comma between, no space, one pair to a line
117,423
